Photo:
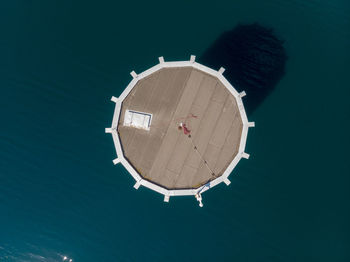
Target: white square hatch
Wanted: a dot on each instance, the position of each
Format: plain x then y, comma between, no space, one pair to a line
137,119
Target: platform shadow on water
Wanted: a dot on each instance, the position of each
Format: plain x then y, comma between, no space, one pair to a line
254,59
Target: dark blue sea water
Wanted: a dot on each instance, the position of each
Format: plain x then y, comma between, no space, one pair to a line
60,195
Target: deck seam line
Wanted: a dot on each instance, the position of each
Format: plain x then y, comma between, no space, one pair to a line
225,143
206,148
171,120
179,134
205,111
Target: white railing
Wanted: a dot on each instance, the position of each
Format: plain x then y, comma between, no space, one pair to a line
183,192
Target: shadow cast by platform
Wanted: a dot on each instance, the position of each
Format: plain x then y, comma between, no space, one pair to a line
254,59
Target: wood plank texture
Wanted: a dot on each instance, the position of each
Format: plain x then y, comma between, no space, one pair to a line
166,156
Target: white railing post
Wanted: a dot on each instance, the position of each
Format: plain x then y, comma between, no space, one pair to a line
133,74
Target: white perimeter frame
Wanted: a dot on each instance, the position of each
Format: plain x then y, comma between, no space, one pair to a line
178,192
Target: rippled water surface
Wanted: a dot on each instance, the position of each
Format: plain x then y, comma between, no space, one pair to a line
60,195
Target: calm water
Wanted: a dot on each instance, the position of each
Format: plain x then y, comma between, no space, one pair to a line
61,195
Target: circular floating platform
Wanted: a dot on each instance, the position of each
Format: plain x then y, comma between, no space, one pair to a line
179,128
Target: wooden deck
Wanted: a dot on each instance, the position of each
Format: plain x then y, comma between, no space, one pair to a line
165,155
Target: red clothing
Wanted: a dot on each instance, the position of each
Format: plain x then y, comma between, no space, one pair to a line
186,130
